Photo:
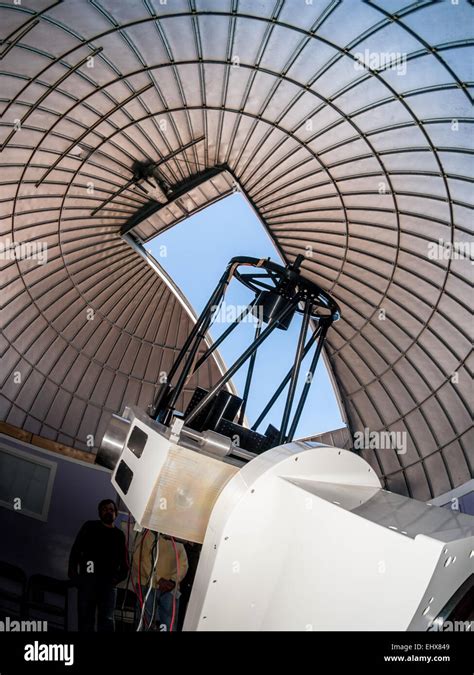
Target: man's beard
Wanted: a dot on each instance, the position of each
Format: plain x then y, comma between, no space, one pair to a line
108,518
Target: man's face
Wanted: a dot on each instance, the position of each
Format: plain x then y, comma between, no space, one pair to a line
107,514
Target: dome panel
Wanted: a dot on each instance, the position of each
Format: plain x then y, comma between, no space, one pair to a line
340,148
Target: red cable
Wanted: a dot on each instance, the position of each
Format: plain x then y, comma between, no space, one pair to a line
176,585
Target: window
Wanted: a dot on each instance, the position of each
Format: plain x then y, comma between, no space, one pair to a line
26,482
195,253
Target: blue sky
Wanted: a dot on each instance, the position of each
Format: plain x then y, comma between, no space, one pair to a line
195,253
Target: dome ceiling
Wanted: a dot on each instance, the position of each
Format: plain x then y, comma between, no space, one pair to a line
347,125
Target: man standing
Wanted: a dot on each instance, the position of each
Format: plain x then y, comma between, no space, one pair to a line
159,565
97,563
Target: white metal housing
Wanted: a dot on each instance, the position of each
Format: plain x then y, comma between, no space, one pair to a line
305,538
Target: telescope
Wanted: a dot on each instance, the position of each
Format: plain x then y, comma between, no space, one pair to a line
296,535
